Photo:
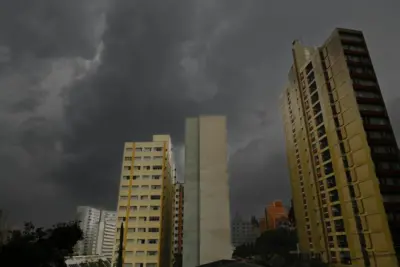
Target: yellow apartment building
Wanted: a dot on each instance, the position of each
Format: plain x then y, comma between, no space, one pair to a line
342,154
146,203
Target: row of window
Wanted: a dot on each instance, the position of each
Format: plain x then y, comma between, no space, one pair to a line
141,230
140,208
142,177
146,168
143,197
139,241
391,198
144,149
141,219
145,158
140,265
142,187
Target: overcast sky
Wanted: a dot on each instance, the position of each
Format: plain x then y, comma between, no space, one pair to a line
80,77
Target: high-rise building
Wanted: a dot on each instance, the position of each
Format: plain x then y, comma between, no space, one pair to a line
88,218
275,214
206,229
145,203
178,217
106,230
243,231
342,154
98,227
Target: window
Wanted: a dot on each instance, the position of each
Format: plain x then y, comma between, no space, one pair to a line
326,155
135,177
145,187
323,143
151,264
383,150
317,108
319,119
139,264
155,177
364,82
144,197
147,168
123,198
157,167
321,131
138,149
151,253
135,187
128,149
127,168
142,208
141,230
141,241
361,94
156,187
158,157
128,158
158,148
154,218
135,197
336,210
342,241
133,208
379,135
328,168
154,230
147,149
366,107
314,98
155,197
154,207
147,158
333,196
145,177
153,241
354,48
136,168
142,219
138,158
345,257
331,181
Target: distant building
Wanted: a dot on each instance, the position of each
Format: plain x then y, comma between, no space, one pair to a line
98,227
243,231
275,213
89,260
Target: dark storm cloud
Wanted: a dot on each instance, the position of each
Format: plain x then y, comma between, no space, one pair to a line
50,28
160,62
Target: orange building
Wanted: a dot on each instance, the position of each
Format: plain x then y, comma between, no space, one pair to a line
262,224
274,214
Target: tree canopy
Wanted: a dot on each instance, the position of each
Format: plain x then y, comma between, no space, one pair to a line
39,247
273,248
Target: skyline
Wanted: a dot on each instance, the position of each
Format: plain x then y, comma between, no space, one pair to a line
157,64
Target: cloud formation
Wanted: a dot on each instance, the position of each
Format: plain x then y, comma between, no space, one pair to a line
78,78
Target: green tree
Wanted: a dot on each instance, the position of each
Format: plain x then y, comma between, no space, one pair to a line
39,247
244,251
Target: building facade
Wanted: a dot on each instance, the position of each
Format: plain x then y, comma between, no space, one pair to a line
106,230
178,217
276,214
146,203
89,218
243,231
342,154
206,230
98,227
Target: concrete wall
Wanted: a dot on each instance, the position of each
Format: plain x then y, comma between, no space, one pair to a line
191,239
215,234
207,233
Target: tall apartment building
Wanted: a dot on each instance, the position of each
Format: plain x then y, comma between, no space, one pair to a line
206,231
178,217
89,218
342,154
106,230
275,214
98,227
146,203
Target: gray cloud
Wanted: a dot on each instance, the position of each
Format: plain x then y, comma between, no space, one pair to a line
78,78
